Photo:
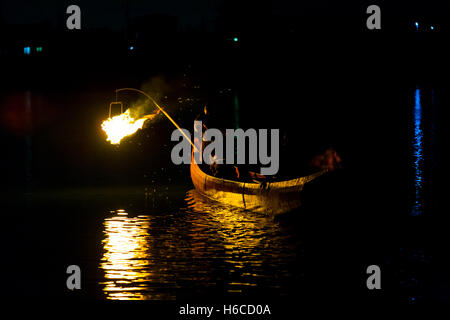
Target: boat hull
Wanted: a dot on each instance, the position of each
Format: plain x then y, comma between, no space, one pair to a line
269,197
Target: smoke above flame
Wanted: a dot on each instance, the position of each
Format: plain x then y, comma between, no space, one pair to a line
123,125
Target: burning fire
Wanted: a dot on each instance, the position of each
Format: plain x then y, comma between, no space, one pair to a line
123,125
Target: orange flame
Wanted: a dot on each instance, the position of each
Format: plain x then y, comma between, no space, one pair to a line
118,127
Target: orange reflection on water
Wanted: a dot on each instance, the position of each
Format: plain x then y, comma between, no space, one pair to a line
241,232
126,257
203,246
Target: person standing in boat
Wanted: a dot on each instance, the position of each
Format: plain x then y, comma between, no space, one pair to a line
214,115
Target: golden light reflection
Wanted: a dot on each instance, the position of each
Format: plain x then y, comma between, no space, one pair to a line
242,234
237,227
126,257
162,256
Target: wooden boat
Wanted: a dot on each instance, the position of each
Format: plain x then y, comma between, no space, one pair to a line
267,197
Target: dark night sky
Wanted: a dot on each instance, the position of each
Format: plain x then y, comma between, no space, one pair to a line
193,13
107,13
110,13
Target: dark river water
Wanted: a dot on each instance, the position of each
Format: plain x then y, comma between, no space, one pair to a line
202,246
161,240
134,245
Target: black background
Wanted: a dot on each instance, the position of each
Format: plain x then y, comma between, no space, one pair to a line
314,71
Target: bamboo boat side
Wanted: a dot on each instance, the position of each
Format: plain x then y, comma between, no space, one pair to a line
268,197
